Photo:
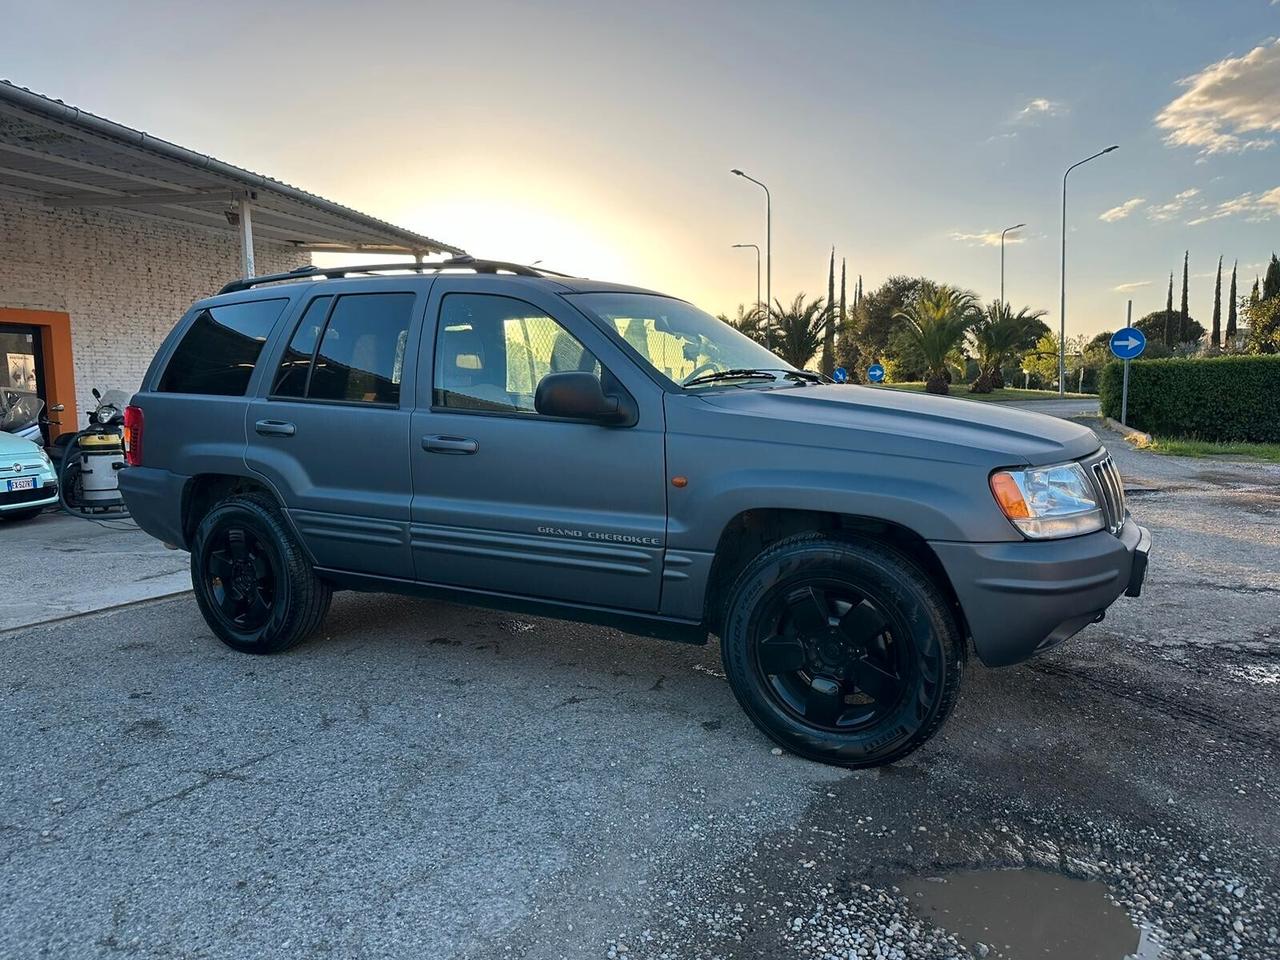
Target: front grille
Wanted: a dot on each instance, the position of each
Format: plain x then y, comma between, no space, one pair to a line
1111,492
10,497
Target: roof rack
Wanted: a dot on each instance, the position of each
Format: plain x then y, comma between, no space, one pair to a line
329,273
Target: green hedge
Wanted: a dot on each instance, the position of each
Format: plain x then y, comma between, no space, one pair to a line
1209,398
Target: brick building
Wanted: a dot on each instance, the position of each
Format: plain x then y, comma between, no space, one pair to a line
108,234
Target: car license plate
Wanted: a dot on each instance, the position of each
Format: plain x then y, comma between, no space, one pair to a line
22,483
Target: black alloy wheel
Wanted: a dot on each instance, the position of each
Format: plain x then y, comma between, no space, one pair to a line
240,578
842,649
831,656
252,579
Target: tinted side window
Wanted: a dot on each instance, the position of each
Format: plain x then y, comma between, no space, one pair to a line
218,352
361,355
291,377
491,352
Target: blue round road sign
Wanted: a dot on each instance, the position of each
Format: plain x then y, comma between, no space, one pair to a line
875,373
1128,343
840,375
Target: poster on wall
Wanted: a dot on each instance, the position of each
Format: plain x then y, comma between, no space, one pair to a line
22,371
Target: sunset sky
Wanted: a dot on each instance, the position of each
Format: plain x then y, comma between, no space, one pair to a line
598,137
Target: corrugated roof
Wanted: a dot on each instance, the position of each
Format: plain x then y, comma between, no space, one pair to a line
65,156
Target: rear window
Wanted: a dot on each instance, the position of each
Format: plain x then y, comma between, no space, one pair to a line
218,352
350,350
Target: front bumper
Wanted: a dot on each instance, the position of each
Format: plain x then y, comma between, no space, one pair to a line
45,495
1023,597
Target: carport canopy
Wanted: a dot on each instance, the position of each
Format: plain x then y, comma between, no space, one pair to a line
65,157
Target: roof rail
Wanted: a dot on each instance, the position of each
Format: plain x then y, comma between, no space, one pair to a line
453,263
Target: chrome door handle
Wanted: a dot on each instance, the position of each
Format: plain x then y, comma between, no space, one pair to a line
455,445
275,428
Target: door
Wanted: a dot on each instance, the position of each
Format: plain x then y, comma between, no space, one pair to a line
22,394
330,430
510,501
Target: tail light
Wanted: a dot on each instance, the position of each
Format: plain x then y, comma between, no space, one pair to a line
133,436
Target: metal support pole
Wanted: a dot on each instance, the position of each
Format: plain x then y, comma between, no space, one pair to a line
1124,390
1016,226
768,253
756,248
1062,301
246,237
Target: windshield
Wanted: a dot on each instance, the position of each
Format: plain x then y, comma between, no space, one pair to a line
678,340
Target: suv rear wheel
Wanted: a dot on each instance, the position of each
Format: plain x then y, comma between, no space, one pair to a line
252,582
841,650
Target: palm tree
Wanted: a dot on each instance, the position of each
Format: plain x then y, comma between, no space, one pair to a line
998,336
746,322
936,323
797,331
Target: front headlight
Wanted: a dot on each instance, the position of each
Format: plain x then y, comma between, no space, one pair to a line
106,413
1046,502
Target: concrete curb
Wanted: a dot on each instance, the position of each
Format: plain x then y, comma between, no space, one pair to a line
1130,434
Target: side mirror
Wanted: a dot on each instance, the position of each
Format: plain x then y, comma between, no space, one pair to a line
581,396
96,394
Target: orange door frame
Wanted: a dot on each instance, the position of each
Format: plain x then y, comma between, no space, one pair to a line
58,376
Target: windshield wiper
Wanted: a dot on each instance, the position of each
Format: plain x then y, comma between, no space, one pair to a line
742,373
806,376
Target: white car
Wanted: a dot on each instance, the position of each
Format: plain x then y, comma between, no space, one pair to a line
28,482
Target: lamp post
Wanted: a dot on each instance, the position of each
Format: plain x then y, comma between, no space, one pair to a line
1016,226
768,250
1062,302
756,248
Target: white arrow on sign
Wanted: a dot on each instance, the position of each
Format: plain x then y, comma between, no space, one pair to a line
1130,343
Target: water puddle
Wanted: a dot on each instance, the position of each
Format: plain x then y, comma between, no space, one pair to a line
1030,915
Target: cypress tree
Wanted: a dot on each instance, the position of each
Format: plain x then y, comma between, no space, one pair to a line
1271,280
1231,309
1168,315
1215,336
829,335
1182,316
843,315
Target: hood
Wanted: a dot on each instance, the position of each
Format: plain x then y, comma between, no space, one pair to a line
16,450
901,423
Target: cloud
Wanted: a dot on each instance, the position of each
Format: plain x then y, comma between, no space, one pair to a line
988,239
1131,286
1167,211
1122,211
1227,105
1254,207
1038,108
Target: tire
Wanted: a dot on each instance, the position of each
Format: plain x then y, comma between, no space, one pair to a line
252,581
20,516
861,686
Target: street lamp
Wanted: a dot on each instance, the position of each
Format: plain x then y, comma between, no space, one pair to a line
756,248
1016,226
1062,303
768,250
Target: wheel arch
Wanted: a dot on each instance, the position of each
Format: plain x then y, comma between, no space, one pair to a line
204,491
750,532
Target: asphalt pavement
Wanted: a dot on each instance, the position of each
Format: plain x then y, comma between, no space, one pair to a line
427,780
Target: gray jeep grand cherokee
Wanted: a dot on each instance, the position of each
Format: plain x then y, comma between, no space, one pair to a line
505,436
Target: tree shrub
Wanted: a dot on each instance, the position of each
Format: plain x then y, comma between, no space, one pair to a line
1208,398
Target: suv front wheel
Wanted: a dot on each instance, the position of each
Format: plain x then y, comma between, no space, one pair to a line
841,650
252,582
